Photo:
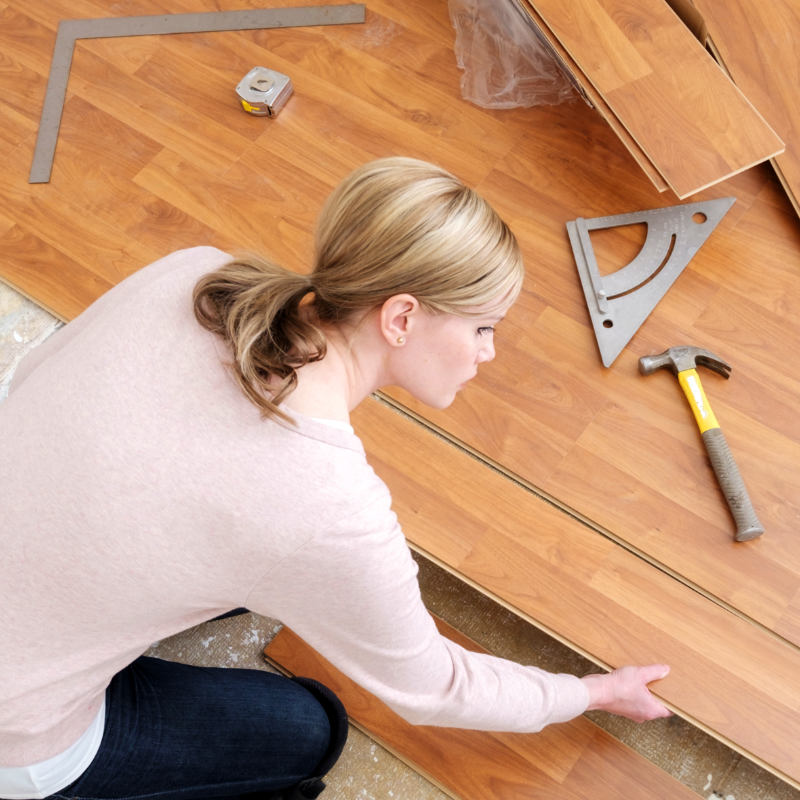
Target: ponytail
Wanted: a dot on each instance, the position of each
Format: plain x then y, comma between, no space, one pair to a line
395,225
255,306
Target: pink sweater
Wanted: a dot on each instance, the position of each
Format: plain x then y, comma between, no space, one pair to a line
143,494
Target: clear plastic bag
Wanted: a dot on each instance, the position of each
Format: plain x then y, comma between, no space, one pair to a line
505,61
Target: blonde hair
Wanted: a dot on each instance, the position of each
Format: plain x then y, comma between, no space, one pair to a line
395,225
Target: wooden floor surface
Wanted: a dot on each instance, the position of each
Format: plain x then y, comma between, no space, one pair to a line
574,761
582,588
154,154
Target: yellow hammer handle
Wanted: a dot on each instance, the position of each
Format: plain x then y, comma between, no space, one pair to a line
701,408
730,480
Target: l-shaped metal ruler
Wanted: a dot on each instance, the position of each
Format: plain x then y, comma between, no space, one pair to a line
70,30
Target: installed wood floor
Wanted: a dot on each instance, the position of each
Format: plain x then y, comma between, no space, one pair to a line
591,508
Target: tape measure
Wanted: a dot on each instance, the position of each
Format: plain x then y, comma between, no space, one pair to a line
264,92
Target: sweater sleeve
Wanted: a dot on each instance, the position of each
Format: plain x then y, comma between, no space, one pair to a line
352,594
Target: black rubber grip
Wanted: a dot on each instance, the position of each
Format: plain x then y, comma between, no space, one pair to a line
747,523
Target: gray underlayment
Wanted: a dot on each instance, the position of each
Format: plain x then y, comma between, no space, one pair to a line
366,770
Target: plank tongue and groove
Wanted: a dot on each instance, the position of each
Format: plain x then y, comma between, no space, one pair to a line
575,761
693,123
759,45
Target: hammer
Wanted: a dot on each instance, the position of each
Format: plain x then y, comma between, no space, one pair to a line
682,361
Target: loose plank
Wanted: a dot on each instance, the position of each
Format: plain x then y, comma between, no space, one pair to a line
576,760
757,43
677,104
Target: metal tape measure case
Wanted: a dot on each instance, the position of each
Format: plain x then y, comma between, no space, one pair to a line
264,92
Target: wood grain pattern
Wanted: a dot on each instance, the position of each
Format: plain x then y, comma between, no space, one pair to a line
140,171
597,100
563,760
758,46
693,123
606,441
580,586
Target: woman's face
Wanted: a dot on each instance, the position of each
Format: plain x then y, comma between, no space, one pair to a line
443,351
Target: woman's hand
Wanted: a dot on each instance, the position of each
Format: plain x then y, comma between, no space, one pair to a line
624,692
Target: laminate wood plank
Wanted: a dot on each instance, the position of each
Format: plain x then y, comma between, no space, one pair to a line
6,223
105,256
74,286
163,112
580,586
26,41
758,46
563,759
687,116
249,201
597,100
19,114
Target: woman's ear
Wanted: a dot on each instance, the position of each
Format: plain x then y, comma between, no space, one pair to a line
397,318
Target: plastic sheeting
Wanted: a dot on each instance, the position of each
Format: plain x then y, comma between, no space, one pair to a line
505,61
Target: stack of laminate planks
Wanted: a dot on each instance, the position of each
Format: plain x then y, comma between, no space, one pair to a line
683,120
758,44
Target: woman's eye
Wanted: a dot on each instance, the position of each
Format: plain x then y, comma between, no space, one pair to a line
484,331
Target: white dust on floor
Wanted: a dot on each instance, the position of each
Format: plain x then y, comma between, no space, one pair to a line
23,325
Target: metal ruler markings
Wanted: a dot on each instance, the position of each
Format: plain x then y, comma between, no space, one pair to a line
69,31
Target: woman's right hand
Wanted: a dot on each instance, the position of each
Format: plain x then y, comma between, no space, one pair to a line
625,692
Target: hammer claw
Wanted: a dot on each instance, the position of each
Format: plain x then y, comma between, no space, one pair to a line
717,364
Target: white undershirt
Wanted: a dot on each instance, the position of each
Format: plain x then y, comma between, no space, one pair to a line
335,423
52,775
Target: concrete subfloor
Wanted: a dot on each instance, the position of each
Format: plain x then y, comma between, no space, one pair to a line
366,771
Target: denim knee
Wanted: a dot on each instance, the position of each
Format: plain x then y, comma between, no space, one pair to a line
338,729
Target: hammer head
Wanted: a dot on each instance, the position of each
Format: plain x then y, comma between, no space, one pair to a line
685,357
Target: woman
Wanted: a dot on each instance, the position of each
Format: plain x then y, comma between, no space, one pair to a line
165,471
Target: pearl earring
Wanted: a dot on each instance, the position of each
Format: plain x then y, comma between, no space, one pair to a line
401,340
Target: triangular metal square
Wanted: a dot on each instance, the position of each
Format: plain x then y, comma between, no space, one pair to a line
621,301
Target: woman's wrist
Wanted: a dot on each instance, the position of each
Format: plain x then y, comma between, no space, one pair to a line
596,685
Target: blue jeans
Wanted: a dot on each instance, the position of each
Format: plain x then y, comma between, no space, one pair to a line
175,732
